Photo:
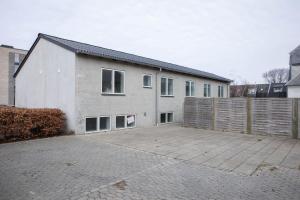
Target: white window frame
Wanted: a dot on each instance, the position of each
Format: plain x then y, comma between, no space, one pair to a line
167,87
221,91
109,123
166,116
208,93
190,89
126,127
113,81
97,124
144,86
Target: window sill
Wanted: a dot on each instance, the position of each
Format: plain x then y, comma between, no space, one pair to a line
113,94
166,123
167,96
147,87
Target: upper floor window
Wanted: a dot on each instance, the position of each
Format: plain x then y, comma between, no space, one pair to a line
189,88
206,90
166,87
147,81
113,81
220,91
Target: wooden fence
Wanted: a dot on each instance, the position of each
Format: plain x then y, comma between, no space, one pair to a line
244,115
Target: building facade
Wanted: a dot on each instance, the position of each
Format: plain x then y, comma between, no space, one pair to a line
10,58
293,84
273,90
101,89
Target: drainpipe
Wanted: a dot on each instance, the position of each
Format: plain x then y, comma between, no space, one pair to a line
156,97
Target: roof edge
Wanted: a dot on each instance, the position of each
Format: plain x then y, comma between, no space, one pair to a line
48,38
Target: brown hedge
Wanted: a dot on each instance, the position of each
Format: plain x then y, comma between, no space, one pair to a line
23,123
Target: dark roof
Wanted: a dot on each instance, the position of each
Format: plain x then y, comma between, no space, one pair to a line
87,49
295,56
294,82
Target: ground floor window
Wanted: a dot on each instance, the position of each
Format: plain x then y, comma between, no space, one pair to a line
104,123
125,121
93,124
130,121
166,117
120,122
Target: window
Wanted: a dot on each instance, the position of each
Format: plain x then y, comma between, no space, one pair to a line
166,117
163,118
251,91
125,121
104,123
147,81
189,88
91,124
220,91
170,117
206,90
277,89
120,122
112,81
166,87
130,121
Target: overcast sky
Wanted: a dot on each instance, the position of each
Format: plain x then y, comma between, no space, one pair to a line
236,39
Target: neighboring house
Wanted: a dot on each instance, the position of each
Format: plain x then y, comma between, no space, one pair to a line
10,59
102,89
259,90
293,84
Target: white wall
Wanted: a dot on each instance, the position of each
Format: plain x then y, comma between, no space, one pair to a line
47,80
137,100
295,70
293,91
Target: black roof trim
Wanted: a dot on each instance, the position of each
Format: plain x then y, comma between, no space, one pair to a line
91,50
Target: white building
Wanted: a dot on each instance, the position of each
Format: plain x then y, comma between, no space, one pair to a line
293,85
101,89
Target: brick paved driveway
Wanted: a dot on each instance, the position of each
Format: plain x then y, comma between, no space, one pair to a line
168,162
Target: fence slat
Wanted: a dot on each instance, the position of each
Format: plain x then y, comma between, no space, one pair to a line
244,115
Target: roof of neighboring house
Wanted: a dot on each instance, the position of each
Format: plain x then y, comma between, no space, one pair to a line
91,50
294,82
295,56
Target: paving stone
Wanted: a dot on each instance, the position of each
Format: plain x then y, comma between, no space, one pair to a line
128,165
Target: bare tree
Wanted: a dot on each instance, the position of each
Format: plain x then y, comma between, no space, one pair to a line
279,75
239,90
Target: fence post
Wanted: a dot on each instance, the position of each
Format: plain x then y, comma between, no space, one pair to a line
213,114
249,115
295,118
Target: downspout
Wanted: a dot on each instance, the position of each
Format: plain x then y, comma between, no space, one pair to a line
156,97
